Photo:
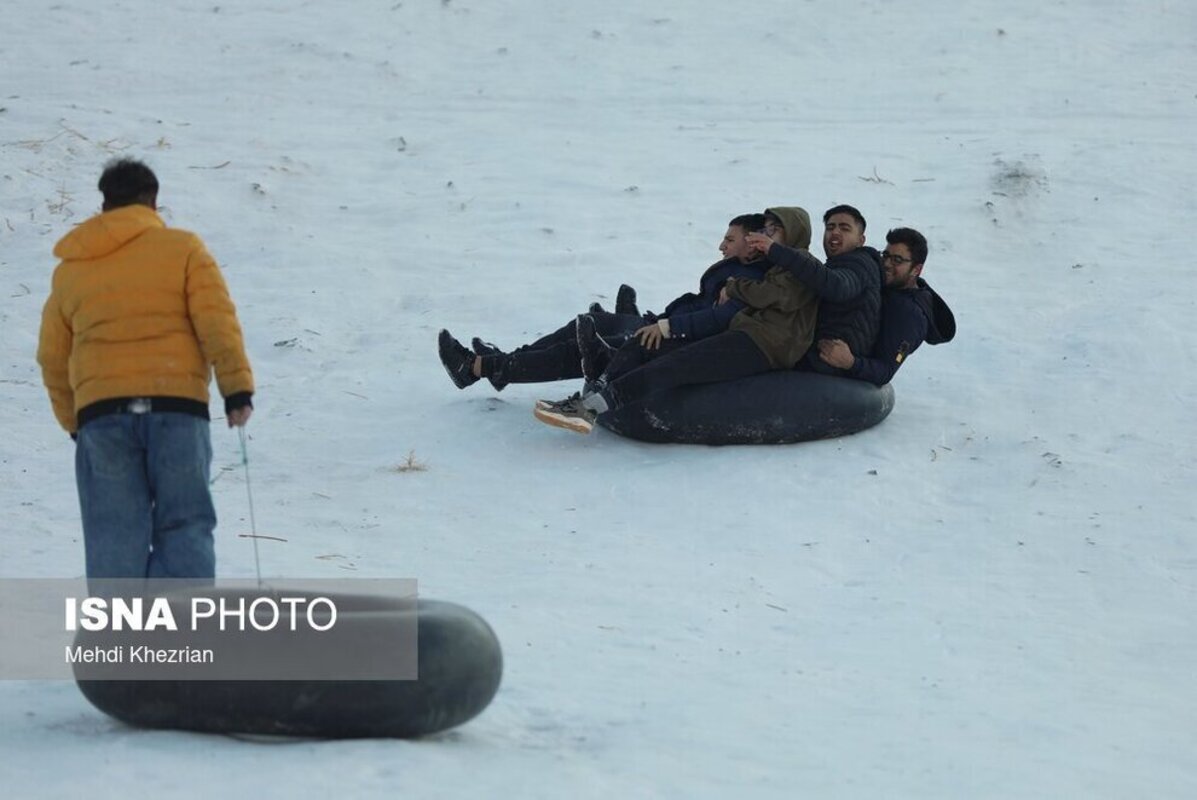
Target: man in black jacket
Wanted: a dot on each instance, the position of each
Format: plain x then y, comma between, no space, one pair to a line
558,355
848,285
911,313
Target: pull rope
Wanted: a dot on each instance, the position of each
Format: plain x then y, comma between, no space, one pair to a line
253,526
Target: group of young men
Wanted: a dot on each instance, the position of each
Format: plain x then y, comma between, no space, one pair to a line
769,304
139,317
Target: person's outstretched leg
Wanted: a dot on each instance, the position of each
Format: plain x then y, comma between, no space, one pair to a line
724,357
552,357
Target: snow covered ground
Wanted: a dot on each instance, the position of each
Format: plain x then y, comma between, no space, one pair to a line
991,595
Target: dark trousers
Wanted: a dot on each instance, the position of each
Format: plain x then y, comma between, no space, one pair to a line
636,373
555,356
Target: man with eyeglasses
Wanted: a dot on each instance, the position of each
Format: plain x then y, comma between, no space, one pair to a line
848,285
911,313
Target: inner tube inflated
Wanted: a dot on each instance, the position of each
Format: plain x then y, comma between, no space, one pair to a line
460,666
779,407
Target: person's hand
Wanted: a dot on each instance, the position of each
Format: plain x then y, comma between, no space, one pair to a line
239,416
758,242
836,353
651,336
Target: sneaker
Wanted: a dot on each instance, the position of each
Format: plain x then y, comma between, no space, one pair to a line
625,300
458,361
574,400
573,416
596,308
482,348
594,352
497,377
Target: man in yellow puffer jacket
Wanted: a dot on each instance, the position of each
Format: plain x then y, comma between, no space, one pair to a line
138,318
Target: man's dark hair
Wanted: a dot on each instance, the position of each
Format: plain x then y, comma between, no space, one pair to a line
844,209
912,239
126,182
751,223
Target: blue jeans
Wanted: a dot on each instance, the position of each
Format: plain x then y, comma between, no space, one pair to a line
143,494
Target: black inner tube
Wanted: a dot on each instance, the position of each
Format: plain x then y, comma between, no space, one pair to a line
779,407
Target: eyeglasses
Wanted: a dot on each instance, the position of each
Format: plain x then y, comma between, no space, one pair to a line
897,259
772,228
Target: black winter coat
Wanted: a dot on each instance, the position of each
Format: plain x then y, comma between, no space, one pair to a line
849,290
908,318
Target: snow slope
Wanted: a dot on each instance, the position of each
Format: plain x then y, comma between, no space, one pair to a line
990,595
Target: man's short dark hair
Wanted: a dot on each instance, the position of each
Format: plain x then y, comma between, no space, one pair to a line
845,209
126,182
751,223
912,239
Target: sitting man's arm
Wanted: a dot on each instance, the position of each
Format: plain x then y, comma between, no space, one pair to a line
686,302
903,329
841,279
704,323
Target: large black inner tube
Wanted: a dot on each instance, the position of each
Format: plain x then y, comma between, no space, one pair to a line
460,667
778,407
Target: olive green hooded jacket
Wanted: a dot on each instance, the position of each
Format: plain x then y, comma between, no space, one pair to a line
781,311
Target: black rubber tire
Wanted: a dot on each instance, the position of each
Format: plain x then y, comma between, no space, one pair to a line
779,407
460,667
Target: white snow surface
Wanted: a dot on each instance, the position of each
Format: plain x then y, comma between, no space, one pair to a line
990,595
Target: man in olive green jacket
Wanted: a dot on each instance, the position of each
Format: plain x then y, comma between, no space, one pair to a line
781,311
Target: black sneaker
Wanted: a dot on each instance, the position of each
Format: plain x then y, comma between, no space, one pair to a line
569,414
596,308
482,348
595,353
498,369
458,361
625,300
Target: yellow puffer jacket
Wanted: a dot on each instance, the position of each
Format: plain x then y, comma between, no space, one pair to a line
137,310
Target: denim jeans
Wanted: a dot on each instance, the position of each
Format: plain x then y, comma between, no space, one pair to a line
143,493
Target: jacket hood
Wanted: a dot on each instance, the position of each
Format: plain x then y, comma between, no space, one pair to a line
107,232
797,224
941,323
